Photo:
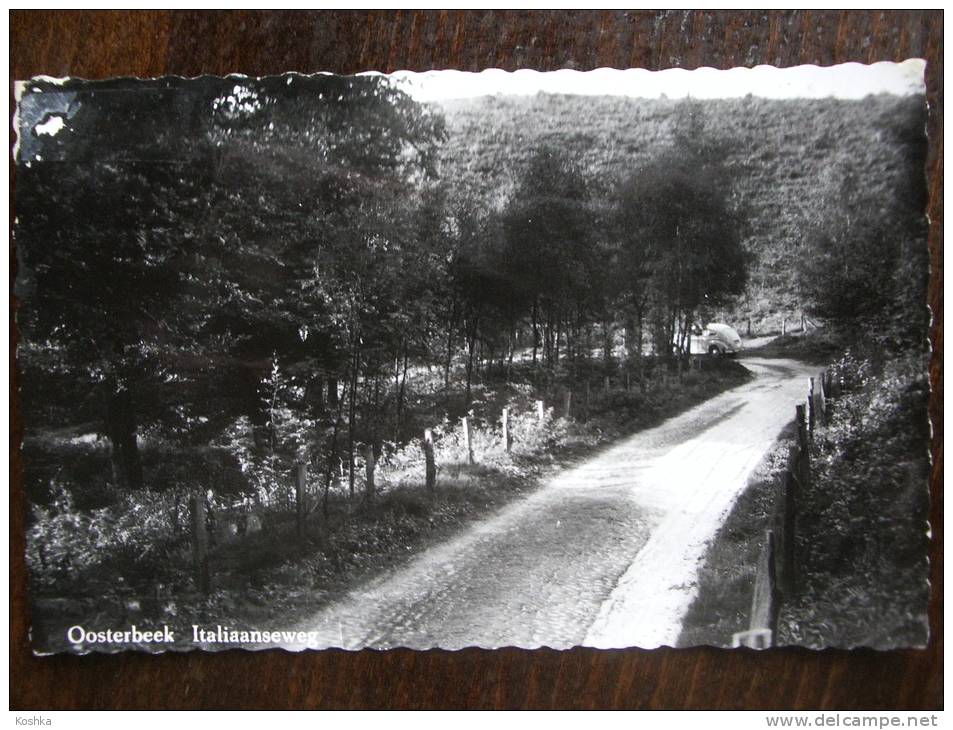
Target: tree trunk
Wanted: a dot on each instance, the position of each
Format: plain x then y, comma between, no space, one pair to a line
332,456
449,361
315,396
400,397
587,342
376,409
572,333
121,431
352,411
369,465
548,339
471,347
640,323
535,329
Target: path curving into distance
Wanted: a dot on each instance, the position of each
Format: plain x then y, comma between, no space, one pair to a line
604,554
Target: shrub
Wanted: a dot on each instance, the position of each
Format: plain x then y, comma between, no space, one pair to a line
863,519
68,548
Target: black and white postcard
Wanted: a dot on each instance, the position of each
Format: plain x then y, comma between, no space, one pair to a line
614,358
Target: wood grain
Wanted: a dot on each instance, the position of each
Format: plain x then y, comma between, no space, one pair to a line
113,43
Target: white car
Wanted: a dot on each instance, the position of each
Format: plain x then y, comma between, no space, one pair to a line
715,339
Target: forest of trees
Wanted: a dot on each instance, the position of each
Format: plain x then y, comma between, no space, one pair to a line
228,287
254,267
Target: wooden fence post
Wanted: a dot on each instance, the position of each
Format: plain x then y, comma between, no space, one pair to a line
370,463
431,464
567,403
466,439
821,394
540,412
762,624
804,461
801,426
833,385
764,606
810,407
607,384
749,326
788,522
301,482
784,326
506,429
200,565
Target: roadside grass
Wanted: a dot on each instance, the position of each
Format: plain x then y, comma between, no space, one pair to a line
816,347
273,576
360,540
863,541
726,580
862,533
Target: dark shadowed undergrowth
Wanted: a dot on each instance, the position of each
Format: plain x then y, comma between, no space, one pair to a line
862,537
863,523
726,581
125,563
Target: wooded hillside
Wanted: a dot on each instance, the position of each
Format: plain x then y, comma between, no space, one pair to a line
786,159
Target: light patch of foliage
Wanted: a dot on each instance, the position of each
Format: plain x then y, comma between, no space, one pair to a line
72,551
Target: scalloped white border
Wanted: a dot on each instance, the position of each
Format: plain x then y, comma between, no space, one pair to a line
850,80
844,81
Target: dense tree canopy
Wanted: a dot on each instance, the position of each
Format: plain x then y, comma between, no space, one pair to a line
253,266
864,259
167,259
679,246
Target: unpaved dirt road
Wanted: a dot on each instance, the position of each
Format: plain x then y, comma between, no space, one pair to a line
605,554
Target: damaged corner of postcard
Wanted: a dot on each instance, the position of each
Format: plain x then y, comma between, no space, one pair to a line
612,359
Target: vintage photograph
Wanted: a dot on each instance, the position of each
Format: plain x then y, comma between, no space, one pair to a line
613,358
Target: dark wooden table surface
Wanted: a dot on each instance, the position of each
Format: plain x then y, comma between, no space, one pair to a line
112,43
